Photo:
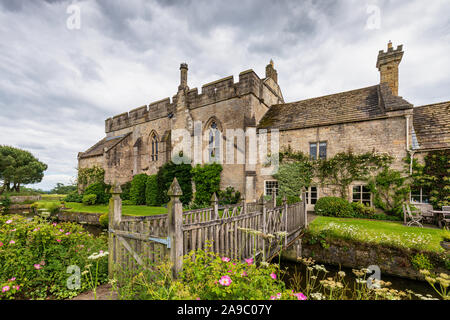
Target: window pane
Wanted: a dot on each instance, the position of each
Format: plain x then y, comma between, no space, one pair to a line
365,189
313,151
356,189
366,196
415,197
323,150
367,203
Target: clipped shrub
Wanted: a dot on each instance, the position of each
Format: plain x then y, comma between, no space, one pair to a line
101,190
333,207
126,187
151,190
207,181
137,190
74,197
361,210
89,199
165,177
104,220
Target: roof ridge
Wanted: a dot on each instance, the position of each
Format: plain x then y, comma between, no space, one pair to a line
431,104
327,95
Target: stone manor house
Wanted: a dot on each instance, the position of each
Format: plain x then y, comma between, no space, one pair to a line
365,119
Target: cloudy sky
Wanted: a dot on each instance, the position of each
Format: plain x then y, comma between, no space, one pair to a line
59,80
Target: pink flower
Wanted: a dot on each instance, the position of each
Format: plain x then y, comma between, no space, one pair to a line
67,233
8,222
59,240
197,298
37,266
42,263
5,288
12,279
36,229
279,295
1,243
54,224
16,287
13,229
244,274
61,230
249,261
273,276
12,242
273,298
225,259
225,281
300,296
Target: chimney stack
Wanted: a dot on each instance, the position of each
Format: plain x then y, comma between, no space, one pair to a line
387,64
183,76
271,72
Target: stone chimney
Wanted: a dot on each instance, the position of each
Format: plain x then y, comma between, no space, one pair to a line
387,64
183,76
271,72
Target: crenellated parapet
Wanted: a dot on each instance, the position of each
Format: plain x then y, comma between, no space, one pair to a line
213,92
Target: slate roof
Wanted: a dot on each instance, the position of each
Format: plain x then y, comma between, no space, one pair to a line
98,148
432,125
355,105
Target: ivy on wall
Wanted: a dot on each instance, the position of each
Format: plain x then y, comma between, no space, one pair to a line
207,181
87,176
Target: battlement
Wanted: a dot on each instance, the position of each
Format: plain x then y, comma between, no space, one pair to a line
390,55
212,92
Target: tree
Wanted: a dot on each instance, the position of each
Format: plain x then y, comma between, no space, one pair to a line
60,188
293,177
19,167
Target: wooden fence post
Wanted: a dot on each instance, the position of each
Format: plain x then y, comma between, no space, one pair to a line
175,223
262,205
274,198
114,218
244,205
285,208
305,214
215,206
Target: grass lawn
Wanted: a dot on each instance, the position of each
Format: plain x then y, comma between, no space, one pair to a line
382,232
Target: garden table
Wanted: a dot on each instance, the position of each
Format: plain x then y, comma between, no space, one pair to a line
442,217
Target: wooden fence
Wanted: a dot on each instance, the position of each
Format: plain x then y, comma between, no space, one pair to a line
237,231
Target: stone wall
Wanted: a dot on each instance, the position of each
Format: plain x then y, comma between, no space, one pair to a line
391,260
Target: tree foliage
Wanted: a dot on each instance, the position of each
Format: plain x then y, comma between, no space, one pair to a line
137,190
207,181
151,190
165,177
19,167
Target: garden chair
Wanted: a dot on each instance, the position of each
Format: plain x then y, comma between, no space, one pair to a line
445,222
414,219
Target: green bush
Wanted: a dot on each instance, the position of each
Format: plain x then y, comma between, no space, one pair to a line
151,190
5,203
137,190
89,199
207,181
50,206
165,177
35,256
361,210
126,187
127,203
74,197
104,220
421,262
228,196
101,190
333,207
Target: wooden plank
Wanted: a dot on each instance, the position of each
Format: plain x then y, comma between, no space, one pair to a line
130,250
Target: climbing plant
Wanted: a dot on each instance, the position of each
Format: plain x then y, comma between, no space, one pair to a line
433,176
390,189
345,167
87,176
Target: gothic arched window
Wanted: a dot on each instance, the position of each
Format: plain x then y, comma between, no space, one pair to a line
214,143
154,142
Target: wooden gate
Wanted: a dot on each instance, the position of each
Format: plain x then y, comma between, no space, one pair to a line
237,231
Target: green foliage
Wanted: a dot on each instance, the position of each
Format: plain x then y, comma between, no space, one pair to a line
293,177
87,176
35,256
126,187
5,203
89,199
390,190
60,188
101,190
421,262
19,167
49,206
165,177
104,220
433,176
228,196
74,197
345,167
151,190
361,210
334,207
207,181
137,190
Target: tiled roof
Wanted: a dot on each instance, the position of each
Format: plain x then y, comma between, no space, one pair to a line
98,148
432,125
356,105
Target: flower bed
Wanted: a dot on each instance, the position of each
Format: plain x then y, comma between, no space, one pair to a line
35,256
